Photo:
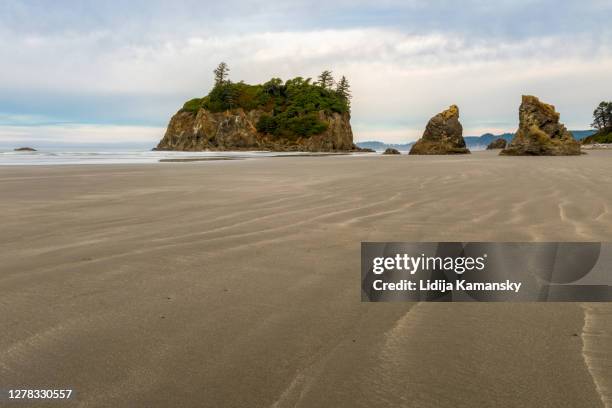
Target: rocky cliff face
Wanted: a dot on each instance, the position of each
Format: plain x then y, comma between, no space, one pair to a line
236,130
443,135
540,133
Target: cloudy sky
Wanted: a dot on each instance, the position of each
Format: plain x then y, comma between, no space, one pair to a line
115,71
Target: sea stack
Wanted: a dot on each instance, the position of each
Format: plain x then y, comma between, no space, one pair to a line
443,135
391,150
294,115
540,133
499,143
237,130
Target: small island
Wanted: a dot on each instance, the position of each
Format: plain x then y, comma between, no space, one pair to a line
24,149
296,115
499,143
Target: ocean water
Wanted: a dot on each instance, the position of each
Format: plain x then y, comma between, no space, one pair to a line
58,157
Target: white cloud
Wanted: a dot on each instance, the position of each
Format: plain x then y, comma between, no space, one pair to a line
399,79
79,134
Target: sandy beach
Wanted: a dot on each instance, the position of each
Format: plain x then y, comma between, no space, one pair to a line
237,283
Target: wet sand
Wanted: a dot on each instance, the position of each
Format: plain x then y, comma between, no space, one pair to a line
236,283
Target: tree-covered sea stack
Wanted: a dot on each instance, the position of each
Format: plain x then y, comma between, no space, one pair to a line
295,115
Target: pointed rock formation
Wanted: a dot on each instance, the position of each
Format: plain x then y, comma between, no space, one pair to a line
443,135
499,143
540,133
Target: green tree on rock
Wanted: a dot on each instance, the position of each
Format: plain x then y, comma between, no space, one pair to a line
290,109
326,80
602,116
343,89
221,74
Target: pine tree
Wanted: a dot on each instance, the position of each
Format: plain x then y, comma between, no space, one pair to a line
221,73
343,89
230,95
602,116
326,80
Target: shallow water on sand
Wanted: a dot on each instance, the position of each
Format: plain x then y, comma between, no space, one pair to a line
56,157
597,347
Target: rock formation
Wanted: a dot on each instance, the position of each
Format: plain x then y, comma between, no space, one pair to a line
499,143
540,133
236,130
443,135
391,150
24,149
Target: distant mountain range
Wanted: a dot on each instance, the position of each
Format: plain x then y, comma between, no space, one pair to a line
473,142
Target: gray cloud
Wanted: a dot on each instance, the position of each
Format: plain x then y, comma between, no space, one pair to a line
141,18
